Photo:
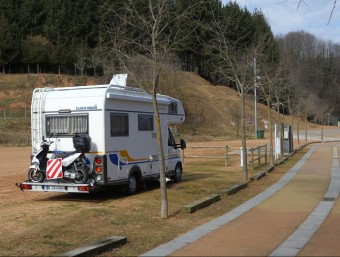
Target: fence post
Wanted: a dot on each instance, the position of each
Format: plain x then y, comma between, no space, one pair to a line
265,153
259,154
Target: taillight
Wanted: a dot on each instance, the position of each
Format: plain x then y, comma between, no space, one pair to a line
99,167
99,160
26,187
84,188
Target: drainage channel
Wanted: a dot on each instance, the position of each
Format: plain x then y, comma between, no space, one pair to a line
295,242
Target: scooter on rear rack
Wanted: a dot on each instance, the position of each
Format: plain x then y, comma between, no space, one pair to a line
37,170
72,167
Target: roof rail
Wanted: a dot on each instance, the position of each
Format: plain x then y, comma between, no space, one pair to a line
137,89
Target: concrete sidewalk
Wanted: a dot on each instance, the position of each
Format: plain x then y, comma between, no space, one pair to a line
299,215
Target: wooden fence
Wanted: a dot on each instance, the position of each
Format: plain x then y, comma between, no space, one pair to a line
256,155
225,157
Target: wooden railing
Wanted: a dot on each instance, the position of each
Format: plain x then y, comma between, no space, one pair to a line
225,157
256,155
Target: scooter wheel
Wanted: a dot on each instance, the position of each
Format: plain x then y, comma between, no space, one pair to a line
35,176
81,176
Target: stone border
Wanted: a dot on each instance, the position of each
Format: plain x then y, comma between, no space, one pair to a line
97,247
234,188
201,203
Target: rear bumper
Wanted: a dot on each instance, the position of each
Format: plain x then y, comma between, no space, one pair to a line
56,187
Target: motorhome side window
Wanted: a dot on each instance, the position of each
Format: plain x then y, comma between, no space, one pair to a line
66,125
145,122
119,124
173,108
171,139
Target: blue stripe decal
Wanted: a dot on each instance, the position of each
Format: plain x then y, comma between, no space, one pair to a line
114,159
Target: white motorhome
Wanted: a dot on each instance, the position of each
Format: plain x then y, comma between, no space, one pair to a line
121,123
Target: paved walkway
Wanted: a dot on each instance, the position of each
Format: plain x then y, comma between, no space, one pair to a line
297,216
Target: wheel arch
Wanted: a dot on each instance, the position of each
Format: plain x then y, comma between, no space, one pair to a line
136,171
179,163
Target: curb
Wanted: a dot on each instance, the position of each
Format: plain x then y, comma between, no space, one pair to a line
97,247
201,203
258,175
234,188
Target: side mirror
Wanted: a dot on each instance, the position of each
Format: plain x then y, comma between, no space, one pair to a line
183,144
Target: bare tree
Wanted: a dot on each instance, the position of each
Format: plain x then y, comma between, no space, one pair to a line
234,64
308,104
321,113
235,118
293,105
272,78
141,41
236,67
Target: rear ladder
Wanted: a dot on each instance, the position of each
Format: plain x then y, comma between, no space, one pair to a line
37,105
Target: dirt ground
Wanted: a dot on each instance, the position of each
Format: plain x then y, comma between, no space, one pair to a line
24,216
17,161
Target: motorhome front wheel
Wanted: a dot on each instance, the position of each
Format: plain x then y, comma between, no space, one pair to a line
178,174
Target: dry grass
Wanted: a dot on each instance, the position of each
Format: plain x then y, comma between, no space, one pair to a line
50,224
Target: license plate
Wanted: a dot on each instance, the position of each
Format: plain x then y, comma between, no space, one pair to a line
55,188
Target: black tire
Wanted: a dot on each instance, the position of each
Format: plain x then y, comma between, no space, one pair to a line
132,186
35,176
178,174
81,176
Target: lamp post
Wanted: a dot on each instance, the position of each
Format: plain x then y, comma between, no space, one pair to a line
255,99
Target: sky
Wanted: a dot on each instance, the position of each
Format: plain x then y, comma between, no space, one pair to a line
312,16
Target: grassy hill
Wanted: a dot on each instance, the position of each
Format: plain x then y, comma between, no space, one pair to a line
208,108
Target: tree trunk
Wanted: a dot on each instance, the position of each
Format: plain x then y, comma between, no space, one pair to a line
306,129
163,189
298,130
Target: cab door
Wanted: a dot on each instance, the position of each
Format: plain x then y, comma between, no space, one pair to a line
172,152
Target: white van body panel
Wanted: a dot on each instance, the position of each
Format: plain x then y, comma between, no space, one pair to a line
93,110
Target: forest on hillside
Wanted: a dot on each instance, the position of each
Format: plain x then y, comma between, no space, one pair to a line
76,38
